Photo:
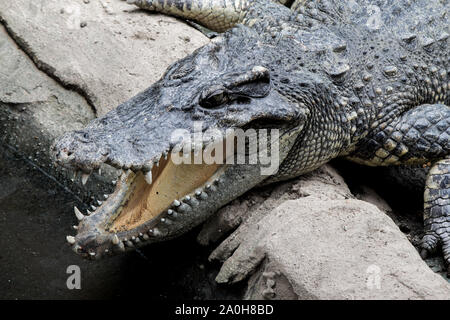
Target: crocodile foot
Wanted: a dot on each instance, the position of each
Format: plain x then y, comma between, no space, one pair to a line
437,211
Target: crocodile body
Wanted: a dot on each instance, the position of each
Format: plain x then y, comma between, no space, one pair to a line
361,79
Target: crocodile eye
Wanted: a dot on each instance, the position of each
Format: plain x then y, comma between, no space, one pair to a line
214,100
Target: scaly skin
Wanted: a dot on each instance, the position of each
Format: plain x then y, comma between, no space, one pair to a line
366,80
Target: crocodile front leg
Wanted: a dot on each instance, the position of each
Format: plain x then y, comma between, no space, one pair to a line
420,136
437,210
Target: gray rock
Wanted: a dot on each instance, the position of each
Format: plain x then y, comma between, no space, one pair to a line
321,243
117,53
34,108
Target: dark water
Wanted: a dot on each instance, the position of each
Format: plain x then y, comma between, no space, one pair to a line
36,214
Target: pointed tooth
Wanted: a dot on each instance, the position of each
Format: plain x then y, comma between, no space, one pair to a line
115,239
84,178
99,202
170,212
92,254
75,227
114,182
176,203
145,237
88,212
93,207
78,213
105,196
70,239
148,177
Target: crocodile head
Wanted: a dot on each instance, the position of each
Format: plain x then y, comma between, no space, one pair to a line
218,88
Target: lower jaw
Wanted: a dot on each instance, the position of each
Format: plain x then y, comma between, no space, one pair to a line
138,213
103,236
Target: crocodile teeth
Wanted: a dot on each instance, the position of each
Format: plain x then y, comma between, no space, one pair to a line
84,178
78,213
93,207
75,227
105,196
92,254
176,203
70,239
170,212
148,177
99,202
115,239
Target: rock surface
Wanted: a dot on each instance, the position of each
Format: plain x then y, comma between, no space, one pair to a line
107,50
319,243
68,62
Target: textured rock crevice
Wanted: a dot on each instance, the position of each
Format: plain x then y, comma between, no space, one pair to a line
44,67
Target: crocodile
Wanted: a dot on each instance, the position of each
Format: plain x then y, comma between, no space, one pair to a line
365,80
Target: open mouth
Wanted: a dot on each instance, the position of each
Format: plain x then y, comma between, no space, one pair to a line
146,206
151,195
